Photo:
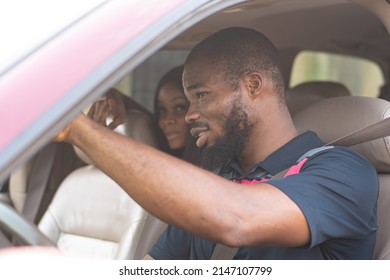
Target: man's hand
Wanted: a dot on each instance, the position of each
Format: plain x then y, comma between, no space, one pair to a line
110,105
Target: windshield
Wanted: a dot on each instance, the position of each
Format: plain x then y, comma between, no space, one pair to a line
25,25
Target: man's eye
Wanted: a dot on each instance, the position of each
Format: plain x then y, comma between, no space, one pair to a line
201,95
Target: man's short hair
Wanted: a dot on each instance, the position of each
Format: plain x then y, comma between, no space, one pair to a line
239,51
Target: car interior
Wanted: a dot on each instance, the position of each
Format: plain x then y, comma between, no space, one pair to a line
336,63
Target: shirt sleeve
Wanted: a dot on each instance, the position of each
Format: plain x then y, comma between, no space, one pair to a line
173,244
337,192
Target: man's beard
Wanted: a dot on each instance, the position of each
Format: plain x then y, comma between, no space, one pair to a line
236,131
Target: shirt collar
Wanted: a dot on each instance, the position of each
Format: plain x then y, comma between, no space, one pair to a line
279,160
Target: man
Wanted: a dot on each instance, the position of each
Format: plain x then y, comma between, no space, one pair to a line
238,114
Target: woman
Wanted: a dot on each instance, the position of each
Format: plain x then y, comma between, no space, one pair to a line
170,108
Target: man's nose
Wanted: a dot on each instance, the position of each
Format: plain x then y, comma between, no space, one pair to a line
192,115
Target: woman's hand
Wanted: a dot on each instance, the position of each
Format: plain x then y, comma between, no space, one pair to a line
109,105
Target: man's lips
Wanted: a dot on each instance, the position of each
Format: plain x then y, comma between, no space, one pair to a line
198,131
201,134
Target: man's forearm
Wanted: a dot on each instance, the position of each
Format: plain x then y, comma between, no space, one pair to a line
189,197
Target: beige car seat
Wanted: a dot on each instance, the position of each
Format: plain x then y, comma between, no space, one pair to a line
302,95
335,117
90,215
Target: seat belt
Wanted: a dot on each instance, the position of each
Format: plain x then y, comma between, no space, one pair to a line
38,181
371,132
223,252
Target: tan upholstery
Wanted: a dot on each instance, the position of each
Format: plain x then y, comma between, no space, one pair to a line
335,117
382,248
90,215
308,93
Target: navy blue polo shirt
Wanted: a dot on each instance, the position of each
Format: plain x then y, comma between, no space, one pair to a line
336,190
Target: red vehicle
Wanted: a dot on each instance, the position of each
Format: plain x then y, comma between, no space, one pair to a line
79,51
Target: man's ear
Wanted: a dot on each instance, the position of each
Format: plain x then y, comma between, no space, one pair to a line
254,83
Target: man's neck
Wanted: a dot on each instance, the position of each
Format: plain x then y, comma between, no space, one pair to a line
259,149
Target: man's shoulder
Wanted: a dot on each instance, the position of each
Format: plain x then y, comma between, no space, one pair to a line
339,153
342,162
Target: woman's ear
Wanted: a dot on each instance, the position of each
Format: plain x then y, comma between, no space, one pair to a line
254,83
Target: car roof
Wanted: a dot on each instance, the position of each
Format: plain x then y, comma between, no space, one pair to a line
341,26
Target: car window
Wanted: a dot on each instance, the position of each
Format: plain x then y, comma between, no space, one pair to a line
362,77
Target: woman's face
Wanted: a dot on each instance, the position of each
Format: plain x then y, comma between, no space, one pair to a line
173,105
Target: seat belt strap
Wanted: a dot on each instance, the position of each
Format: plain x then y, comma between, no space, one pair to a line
38,181
371,132
223,252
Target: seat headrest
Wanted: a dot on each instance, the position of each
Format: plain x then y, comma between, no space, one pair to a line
335,117
307,93
137,125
